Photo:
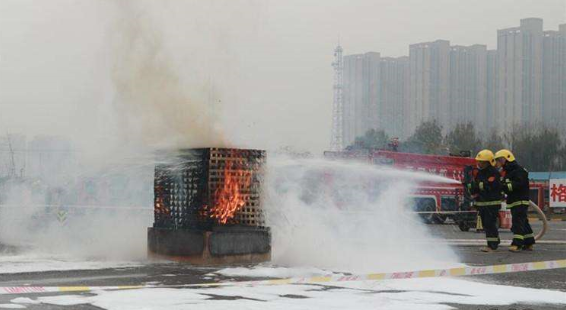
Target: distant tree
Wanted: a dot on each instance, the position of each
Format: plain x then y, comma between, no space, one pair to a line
549,143
426,139
561,164
411,147
537,148
463,138
494,142
372,139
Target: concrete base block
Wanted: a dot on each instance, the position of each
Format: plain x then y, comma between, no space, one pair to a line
222,245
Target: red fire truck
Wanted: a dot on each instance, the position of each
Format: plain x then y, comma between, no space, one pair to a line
539,194
435,202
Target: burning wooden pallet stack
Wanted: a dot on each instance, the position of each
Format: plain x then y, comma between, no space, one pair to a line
208,207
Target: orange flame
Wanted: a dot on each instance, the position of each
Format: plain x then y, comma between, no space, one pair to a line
230,198
160,207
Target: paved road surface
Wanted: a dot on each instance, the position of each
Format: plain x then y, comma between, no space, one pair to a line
184,274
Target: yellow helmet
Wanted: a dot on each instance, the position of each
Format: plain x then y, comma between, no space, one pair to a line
486,155
505,154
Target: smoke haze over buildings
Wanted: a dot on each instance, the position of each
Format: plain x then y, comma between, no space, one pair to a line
259,70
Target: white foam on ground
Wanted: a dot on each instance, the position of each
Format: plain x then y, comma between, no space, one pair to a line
273,272
12,306
428,294
22,263
25,300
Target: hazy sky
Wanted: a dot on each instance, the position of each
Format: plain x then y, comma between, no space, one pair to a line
266,64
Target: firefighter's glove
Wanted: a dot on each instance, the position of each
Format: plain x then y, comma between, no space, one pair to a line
473,187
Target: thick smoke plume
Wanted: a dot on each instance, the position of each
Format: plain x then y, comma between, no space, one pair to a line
101,205
156,107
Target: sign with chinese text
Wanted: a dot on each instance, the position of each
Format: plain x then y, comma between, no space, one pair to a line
557,194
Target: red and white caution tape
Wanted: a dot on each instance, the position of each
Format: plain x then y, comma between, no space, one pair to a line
450,272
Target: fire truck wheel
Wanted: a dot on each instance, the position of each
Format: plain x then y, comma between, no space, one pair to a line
439,219
429,208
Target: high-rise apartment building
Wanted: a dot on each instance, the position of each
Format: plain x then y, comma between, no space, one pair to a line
554,78
393,93
522,82
468,86
429,66
520,74
361,99
492,82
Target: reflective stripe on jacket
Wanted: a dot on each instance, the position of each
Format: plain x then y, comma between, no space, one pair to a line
487,187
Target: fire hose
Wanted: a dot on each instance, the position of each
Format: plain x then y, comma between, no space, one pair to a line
542,217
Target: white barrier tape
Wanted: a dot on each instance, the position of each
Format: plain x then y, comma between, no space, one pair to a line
451,272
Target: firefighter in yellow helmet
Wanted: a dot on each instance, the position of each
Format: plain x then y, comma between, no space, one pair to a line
486,189
515,184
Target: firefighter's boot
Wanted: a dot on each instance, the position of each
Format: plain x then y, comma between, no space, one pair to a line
529,247
515,249
487,249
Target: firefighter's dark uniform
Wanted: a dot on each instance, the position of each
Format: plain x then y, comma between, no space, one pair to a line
515,183
487,190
